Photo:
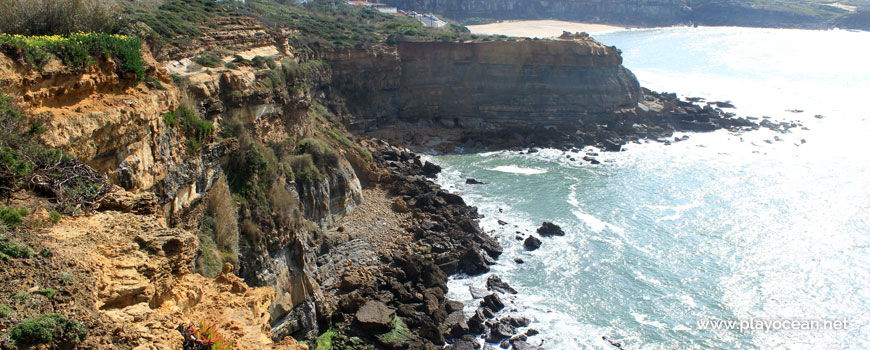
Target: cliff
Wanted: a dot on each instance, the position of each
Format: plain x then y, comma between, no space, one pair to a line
641,13
648,13
248,169
506,83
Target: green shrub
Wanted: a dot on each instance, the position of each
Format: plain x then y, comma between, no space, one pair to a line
54,217
196,130
322,153
5,311
48,292
260,61
209,60
78,50
52,328
304,170
155,83
45,17
231,65
12,217
22,296
14,249
324,341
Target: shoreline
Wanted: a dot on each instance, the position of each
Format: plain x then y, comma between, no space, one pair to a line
553,28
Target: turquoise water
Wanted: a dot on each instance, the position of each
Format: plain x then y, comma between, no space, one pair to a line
722,226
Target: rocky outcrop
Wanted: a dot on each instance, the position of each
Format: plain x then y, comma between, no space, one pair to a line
511,83
645,12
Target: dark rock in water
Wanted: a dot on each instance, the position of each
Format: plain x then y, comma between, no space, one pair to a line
532,150
493,302
819,116
523,345
477,292
504,345
726,104
473,263
795,110
375,316
455,325
532,332
518,237
519,260
518,321
591,160
462,344
495,283
475,322
615,344
488,312
430,170
550,229
502,223
532,243
501,330
470,181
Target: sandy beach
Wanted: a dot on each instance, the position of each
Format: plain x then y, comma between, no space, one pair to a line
540,28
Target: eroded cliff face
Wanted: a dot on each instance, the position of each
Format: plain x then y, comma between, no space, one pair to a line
483,84
644,12
512,83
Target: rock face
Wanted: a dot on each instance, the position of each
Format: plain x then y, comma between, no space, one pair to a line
637,12
474,84
644,12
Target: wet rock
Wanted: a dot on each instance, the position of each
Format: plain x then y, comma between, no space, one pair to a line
470,181
493,302
519,260
532,332
455,325
463,344
502,223
473,263
518,321
477,292
522,345
494,283
550,229
591,160
476,322
532,243
430,169
500,330
375,316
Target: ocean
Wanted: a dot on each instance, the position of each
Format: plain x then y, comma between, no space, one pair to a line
662,240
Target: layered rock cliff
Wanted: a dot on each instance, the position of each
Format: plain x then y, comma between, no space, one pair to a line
788,14
645,12
494,84
512,83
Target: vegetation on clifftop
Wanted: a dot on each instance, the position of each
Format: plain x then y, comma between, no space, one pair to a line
77,50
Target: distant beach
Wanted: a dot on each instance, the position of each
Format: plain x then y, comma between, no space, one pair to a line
540,28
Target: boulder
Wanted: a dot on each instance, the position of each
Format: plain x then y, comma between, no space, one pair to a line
375,316
455,325
493,302
473,263
499,331
495,283
532,243
430,169
550,229
470,181
475,322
